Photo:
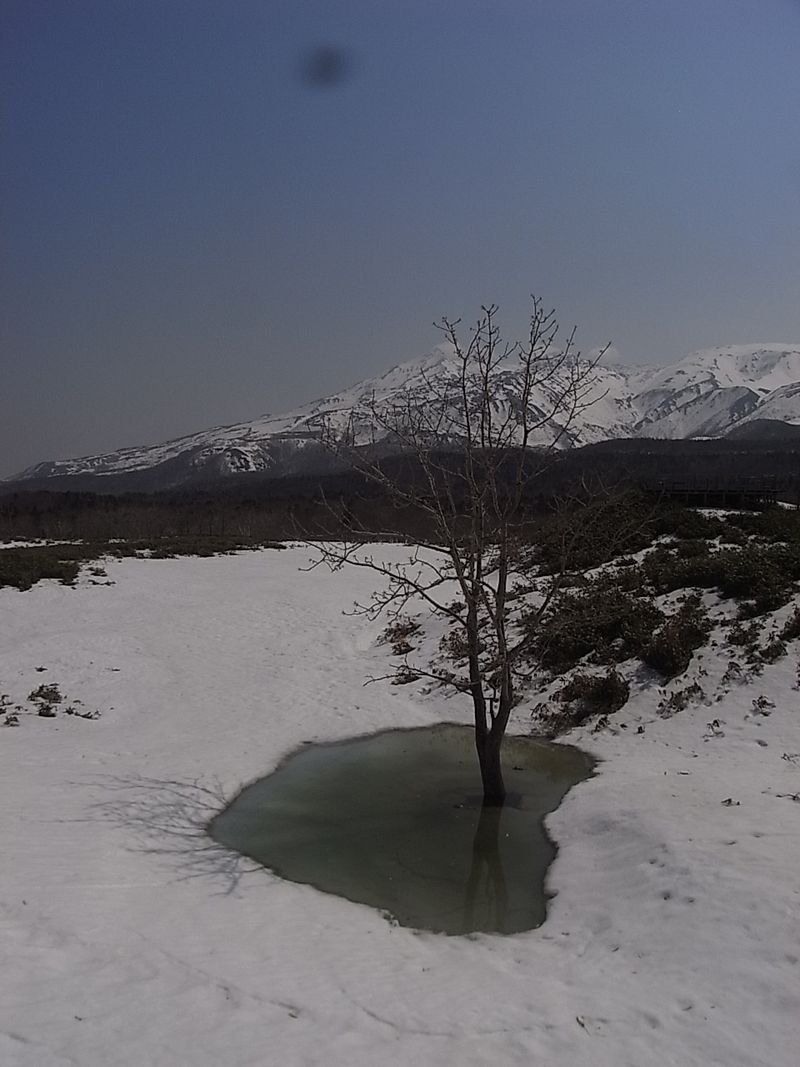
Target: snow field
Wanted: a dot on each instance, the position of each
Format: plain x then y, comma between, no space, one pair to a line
127,938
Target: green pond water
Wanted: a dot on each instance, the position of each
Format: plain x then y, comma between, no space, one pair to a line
394,820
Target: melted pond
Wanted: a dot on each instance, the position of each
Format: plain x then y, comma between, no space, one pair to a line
394,820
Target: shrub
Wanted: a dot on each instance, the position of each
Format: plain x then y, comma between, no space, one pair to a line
606,693
670,649
691,549
744,636
628,578
666,572
732,535
606,624
774,524
773,651
682,522
45,694
762,575
765,575
23,568
589,534
595,694
791,629
583,697
45,697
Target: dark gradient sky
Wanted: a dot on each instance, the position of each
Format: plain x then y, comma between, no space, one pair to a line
194,232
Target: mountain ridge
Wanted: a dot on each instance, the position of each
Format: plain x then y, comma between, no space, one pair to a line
707,394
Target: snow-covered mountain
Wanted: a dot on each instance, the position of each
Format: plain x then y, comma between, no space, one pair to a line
711,391
704,395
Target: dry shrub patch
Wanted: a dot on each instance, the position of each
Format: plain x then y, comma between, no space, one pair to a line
680,700
454,645
671,647
397,634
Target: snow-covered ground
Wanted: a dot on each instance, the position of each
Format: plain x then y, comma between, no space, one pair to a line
126,938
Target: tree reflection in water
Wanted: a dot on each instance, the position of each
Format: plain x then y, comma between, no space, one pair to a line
486,897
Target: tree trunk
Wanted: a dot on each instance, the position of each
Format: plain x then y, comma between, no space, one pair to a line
494,790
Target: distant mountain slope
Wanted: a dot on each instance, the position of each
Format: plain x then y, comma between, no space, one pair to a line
765,430
710,391
706,394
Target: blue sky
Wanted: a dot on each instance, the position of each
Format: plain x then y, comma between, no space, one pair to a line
194,233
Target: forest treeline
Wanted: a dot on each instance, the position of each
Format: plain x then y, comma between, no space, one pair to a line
253,507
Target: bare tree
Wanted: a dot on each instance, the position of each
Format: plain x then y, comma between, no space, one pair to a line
475,439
